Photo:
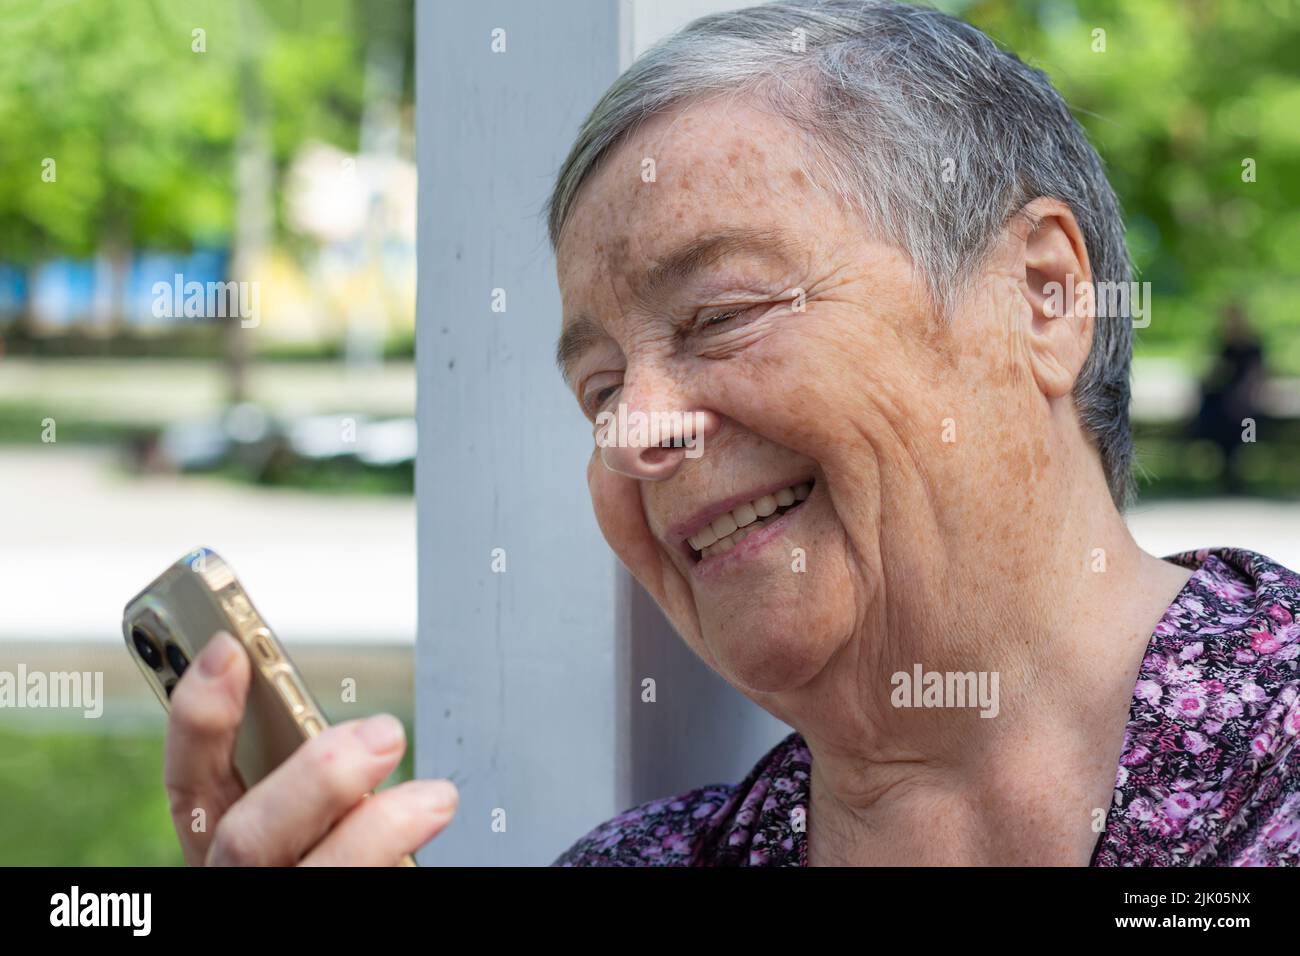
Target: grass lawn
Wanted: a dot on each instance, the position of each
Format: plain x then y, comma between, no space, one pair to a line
73,798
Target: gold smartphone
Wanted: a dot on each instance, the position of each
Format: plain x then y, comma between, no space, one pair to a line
167,625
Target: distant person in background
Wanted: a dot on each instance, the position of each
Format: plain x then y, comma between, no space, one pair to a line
1228,393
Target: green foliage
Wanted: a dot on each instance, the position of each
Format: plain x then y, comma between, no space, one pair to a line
1173,467
1184,92
143,127
74,797
84,799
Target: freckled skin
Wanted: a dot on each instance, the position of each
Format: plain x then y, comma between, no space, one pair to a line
961,556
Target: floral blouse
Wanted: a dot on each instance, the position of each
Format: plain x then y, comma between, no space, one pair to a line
1209,774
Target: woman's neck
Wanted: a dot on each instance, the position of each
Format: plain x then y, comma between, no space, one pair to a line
1049,635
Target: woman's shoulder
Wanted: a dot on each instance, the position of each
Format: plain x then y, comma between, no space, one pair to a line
1236,621
1210,770
757,822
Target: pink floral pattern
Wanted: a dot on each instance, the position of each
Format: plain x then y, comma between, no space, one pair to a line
1209,773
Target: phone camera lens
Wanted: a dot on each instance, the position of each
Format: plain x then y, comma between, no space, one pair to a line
146,647
177,659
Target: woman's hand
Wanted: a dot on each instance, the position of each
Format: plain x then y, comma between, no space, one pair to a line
310,809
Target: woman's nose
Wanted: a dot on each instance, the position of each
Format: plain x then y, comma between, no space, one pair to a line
651,446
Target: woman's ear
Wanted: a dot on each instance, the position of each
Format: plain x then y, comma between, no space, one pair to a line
1051,266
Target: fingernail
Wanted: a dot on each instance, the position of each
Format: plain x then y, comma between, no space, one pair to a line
442,795
218,655
382,733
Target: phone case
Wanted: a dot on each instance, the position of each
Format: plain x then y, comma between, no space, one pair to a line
179,612
166,626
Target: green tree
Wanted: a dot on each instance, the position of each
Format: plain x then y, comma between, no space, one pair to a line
144,107
1177,95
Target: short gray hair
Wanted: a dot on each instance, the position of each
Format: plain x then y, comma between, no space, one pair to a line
893,97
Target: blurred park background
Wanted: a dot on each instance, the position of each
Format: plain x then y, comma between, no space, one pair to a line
271,143
264,142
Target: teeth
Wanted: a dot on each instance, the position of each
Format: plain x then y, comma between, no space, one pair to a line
725,525
728,530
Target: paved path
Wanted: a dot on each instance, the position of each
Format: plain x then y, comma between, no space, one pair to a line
78,539
129,391
1270,527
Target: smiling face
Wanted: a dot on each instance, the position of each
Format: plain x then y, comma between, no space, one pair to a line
836,406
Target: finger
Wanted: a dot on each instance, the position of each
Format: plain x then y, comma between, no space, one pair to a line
292,809
207,706
383,828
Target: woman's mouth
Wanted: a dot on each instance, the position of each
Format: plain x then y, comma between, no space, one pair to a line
727,530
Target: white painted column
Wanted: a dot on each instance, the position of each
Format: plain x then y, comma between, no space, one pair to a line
528,681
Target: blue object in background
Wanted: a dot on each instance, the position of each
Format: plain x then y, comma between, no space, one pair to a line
68,292
202,265
13,290
63,291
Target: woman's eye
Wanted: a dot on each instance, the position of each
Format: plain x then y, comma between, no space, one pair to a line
716,320
596,398
719,318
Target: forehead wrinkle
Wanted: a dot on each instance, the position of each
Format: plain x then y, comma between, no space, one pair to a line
686,260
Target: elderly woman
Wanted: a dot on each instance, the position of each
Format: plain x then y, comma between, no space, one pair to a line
855,246
848,269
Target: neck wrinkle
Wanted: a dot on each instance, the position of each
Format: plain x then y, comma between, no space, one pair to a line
1067,643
